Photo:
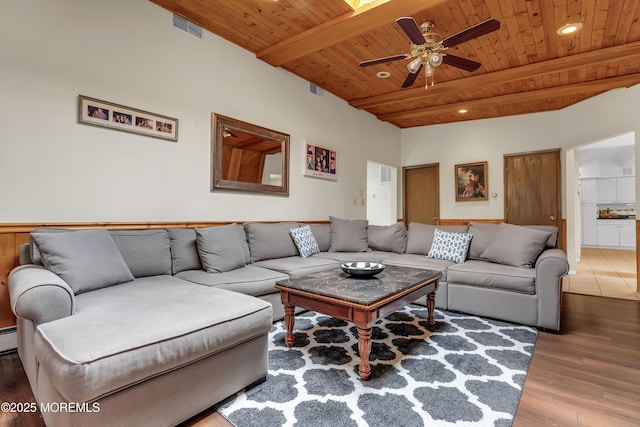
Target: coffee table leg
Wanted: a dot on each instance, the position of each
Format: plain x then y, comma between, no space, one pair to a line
431,305
364,348
289,320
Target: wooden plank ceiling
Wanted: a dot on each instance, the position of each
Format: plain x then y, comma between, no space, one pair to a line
526,66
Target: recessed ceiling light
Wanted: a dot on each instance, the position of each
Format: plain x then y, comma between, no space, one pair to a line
383,74
463,111
569,29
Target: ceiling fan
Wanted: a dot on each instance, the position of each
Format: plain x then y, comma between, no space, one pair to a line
428,49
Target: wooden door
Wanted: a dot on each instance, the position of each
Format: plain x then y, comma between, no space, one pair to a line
532,188
421,194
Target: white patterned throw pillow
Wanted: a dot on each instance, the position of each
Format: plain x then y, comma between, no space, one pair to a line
449,246
305,241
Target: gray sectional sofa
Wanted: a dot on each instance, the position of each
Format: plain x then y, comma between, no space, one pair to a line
154,326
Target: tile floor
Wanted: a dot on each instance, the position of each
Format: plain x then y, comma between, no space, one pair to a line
604,272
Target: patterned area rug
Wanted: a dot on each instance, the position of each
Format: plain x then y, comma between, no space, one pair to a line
464,370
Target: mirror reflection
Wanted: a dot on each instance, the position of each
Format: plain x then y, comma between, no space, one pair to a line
251,158
247,157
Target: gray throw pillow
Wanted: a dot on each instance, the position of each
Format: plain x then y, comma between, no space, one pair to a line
348,235
516,246
483,234
219,248
184,250
269,241
322,233
85,259
390,238
146,252
551,243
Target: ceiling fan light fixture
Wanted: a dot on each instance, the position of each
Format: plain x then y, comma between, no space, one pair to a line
569,28
383,74
429,69
414,65
435,58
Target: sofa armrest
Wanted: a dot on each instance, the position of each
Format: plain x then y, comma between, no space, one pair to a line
550,267
39,295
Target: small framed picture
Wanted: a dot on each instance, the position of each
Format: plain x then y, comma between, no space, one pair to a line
107,114
320,162
471,182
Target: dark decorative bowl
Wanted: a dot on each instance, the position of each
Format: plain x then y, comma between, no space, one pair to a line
362,268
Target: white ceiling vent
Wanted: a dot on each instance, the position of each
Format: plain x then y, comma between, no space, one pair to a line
188,27
315,89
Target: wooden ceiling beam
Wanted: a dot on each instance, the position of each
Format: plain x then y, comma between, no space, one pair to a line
520,97
334,31
566,63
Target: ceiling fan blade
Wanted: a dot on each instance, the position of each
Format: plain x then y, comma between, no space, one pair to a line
472,32
456,61
382,60
409,26
411,78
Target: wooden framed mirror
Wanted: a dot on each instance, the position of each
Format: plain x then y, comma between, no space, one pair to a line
246,157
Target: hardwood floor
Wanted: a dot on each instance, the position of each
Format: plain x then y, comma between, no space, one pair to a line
605,272
587,375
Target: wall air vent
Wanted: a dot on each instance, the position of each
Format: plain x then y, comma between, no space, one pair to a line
315,89
385,174
188,27
627,171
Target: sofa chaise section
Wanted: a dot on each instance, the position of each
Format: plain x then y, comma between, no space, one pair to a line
152,350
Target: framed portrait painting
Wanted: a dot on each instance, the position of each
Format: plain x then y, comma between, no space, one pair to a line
471,182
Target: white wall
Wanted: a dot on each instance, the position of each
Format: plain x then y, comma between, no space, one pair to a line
612,113
54,169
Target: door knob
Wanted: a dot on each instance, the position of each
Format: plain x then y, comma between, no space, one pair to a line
435,218
552,218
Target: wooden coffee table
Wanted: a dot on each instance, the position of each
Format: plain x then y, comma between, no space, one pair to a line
360,301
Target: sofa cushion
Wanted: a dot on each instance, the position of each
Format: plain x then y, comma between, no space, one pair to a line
420,236
34,253
85,259
489,275
219,248
389,238
419,261
184,250
305,241
449,246
88,356
551,242
322,233
146,252
516,245
483,233
267,241
249,280
348,235
298,266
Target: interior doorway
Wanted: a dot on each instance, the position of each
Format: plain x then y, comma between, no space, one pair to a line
604,218
382,194
421,194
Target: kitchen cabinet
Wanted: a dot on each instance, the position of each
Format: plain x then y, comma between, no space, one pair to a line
588,224
615,190
606,189
626,189
588,192
617,233
628,235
